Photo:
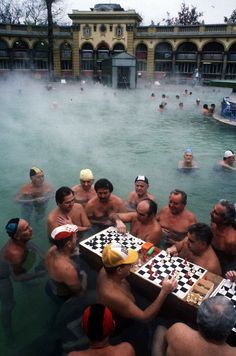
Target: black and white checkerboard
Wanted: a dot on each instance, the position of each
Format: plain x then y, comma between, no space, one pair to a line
97,242
162,265
228,290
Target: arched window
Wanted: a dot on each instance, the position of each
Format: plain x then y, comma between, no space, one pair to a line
163,51
102,52
118,48
40,55
87,57
141,55
21,55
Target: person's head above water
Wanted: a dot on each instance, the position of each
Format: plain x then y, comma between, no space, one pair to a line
36,176
115,254
228,154
86,174
86,179
19,229
97,322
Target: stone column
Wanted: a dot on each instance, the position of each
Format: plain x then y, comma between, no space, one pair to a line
224,66
150,63
57,61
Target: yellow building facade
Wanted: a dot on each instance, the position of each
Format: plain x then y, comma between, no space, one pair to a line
160,51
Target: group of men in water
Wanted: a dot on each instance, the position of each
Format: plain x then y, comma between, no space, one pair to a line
88,208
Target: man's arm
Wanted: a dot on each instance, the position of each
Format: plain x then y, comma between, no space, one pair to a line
85,223
126,308
120,219
74,281
177,247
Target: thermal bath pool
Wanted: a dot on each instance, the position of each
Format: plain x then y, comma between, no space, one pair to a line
118,135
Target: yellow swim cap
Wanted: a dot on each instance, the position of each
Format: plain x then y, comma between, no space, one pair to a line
86,174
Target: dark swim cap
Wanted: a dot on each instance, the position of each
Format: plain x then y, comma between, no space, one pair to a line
97,322
11,226
34,171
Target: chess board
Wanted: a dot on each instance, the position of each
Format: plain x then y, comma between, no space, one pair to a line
97,242
162,265
228,290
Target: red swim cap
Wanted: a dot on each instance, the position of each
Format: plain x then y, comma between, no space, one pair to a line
97,322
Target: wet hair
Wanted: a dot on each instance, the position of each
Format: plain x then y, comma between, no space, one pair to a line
177,96
60,244
12,226
163,95
103,183
161,106
205,106
202,232
216,318
229,214
61,193
97,322
182,193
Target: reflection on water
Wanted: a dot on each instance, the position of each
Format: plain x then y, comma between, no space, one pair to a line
117,136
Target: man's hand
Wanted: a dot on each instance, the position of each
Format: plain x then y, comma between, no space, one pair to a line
169,285
62,220
121,228
231,275
172,250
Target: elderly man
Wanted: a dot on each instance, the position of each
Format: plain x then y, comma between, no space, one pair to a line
215,320
21,260
105,203
187,162
141,192
65,278
34,195
175,219
67,211
24,257
223,225
228,160
85,190
143,222
196,248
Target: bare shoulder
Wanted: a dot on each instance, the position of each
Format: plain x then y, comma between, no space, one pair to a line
75,187
178,328
26,188
92,201
190,215
163,211
131,195
125,349
78,207
117,199
151,196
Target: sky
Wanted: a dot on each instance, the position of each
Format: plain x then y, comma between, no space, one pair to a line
213,10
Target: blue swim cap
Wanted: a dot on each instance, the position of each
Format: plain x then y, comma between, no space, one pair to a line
188,150
11,226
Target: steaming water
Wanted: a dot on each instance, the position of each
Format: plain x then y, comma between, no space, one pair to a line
118,136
